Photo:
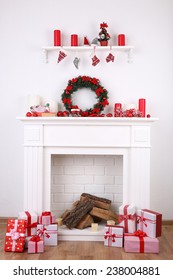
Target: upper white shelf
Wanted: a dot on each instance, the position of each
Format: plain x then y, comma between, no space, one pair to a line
128,49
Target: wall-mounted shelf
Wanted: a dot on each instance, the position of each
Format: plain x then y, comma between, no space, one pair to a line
127,49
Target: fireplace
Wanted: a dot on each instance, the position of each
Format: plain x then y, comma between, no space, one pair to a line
125,137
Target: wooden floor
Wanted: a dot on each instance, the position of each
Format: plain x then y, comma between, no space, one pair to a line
70,250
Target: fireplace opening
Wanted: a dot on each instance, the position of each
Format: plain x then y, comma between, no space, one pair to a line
98,175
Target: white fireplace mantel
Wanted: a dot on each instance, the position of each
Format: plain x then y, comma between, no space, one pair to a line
43,137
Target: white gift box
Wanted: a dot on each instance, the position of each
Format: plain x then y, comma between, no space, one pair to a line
127,218
49,233
149,222
31,218
113,236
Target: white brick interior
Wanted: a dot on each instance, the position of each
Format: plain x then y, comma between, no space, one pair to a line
71,175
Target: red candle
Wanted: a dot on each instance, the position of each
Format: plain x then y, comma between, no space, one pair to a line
117,109
121,40
74,40
57,38
142,106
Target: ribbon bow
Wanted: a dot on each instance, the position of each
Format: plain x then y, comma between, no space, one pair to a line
42,232
33,225
126,217
14,234
46,213
140,233
35,238
110,235
141,219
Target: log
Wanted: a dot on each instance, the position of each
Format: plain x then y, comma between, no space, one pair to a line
98,201
76,214
104,214
85,222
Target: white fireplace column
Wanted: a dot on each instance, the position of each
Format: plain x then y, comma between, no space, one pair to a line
129,137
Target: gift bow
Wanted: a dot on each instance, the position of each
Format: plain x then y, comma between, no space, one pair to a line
46,213
33,225
141,219
140,233
14,234
35,238
110,235
42,232
126,217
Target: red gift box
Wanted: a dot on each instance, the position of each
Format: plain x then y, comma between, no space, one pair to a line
31,218
35,244
47,218
139,242
15,236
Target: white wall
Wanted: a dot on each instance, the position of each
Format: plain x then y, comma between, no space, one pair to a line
27,25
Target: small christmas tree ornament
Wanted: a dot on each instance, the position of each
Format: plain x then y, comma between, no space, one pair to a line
86,42
103,34
76,62
61,56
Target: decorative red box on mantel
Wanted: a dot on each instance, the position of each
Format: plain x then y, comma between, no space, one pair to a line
47,218
15,236
149,222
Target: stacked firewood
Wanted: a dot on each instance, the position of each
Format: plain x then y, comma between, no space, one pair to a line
87,210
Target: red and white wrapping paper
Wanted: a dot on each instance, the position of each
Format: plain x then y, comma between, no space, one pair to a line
127,218
113,236
150,222
15,236
49,233
140,243
35,244
31,218
47,218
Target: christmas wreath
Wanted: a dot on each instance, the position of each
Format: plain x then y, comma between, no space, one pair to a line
87,82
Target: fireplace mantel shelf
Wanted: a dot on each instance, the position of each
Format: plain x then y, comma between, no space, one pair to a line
87,121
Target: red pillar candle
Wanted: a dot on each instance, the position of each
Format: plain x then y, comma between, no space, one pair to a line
121,40
74,40
57,38
142,107
117,109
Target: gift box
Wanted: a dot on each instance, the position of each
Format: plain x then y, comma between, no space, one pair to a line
113,236
140,243
127,218
47,218
150,222
31,218
15,236
49,233
35,244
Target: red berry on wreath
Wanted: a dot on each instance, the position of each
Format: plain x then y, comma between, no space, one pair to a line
65,114
28,114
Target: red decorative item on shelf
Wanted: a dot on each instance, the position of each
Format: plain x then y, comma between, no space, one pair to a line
74,40
121,40
110,57
118,110
57,38
142,107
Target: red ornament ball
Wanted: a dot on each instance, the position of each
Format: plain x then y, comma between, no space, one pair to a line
28,114
148,116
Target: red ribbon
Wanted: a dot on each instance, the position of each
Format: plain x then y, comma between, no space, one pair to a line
126,217
42,232
46,214
111,236
36,239
141,235
29,222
